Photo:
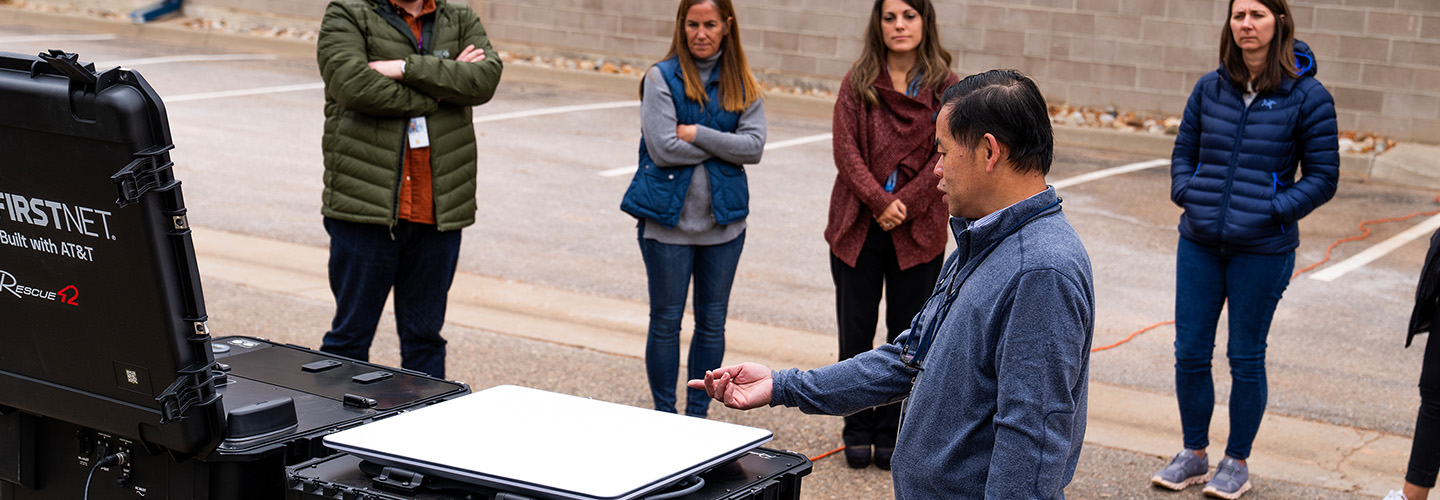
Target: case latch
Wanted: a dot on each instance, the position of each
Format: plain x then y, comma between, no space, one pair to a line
398,480
68,64
85,83
193,388
143,175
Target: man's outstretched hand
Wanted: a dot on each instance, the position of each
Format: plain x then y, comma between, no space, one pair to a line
741,387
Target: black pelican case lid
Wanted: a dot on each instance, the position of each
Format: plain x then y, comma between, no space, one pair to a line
102,319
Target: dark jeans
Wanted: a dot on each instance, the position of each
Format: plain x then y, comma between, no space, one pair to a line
365,263
857,310
669,268
1425,450
1253,283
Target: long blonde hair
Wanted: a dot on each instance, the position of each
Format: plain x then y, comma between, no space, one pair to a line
738,88
932,63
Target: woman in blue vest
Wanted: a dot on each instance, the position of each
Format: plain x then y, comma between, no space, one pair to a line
1257,151
701,121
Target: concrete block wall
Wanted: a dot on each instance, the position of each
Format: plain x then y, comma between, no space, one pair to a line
1380,58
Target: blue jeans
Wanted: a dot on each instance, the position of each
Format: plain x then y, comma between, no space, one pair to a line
668,269
366,261
1253,283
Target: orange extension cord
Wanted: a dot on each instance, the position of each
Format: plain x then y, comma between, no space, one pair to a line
826,454
1364,233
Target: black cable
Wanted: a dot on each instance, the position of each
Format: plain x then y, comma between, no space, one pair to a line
699,483
116,459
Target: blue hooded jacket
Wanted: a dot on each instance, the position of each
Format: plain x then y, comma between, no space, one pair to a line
1234,166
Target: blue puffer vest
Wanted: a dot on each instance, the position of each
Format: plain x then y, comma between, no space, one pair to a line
1234,166
658,193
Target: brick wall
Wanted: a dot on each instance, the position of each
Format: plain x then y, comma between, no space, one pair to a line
1380,58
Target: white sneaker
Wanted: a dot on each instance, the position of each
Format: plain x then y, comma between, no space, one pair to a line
1395,495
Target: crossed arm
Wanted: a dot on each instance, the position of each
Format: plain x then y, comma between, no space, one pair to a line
414,86
395,68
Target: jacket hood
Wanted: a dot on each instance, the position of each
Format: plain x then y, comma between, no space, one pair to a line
1305,63
1305,60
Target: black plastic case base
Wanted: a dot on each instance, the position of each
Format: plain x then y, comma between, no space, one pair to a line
762,474
278,407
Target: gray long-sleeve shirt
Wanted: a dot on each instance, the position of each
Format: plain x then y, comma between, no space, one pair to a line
744,146
998,411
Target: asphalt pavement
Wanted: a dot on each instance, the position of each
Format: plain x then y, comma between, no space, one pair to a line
551,293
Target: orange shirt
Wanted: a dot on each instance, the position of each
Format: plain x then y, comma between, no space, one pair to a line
417,191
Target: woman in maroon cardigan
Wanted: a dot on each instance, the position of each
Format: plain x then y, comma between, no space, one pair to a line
887,219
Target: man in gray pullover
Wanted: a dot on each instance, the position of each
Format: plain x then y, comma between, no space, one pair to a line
995,366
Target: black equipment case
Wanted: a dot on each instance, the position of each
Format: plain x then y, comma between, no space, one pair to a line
104,350
761,474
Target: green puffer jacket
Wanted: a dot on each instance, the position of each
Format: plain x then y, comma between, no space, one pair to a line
367,113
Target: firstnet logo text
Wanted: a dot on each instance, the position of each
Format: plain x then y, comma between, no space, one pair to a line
48,213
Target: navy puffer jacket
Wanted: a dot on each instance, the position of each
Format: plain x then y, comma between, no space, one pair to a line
1234,167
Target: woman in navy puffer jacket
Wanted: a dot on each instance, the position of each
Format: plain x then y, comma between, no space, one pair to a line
1250,128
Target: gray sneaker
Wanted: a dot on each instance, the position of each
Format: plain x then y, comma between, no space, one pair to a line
1232,479
1184,470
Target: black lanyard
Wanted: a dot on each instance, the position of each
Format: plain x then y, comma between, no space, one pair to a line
951,288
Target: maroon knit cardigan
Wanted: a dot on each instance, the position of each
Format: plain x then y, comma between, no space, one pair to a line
869,142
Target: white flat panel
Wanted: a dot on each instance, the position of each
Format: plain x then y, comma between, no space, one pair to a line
542,443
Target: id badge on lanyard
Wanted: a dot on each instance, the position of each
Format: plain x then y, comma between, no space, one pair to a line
417,133
419,136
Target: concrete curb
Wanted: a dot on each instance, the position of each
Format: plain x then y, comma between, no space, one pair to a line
512,308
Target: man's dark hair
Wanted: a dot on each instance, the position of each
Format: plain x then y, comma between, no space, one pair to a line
1008,105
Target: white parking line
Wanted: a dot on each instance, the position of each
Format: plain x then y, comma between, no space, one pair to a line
1379,250
619,171
1101,174
556,110
245,92
56,38
193,58
798,141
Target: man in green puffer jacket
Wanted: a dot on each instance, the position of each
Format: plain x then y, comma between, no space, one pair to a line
401,77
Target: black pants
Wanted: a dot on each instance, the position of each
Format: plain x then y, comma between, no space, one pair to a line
1425,451
367,261
857,304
